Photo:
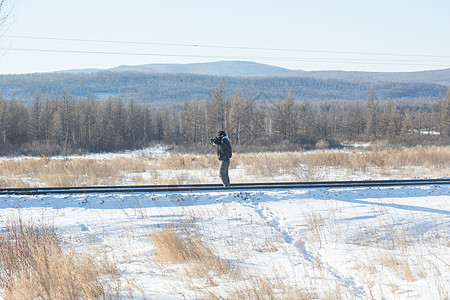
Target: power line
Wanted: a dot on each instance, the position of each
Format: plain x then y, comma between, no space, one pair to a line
309,59
221,46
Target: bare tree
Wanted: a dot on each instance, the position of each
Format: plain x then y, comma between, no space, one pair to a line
4,12
285,120
217,110
236,116
2,3
444,114
372,116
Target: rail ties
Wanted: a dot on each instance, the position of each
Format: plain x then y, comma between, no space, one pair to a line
217,187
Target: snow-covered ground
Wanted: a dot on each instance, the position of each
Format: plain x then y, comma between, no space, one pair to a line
326,243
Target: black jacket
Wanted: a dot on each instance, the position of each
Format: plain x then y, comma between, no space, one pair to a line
224,151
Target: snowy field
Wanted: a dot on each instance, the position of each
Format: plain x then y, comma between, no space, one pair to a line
324,243
358,243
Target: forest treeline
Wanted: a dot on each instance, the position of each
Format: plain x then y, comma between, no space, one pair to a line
151,87
66,124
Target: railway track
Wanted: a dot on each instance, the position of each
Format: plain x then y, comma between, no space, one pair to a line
217,187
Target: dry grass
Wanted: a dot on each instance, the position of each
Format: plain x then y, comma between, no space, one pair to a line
34,266
397,264
305,166
261,287
187,162
202,270
315,224
171,249
387,247
433,158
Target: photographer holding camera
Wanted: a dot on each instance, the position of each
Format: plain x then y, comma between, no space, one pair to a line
224,153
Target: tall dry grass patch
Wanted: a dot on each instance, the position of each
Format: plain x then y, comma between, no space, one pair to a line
262,287
171,248
185,162
315,224
285,166
33,265
436,159
71,171
397,264
21,166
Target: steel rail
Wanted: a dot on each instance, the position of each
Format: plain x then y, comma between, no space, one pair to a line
217,187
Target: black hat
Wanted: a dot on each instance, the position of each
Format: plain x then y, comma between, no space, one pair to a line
221,133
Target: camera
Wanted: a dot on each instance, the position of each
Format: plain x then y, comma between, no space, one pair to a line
215,140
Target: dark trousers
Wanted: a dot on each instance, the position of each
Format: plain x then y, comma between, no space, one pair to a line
223,172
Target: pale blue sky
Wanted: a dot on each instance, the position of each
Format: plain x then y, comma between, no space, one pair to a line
319,34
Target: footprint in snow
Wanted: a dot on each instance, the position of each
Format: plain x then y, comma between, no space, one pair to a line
84,228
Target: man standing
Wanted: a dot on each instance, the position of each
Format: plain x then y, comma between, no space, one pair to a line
224,152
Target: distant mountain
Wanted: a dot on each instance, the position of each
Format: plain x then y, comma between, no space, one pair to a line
220,68
180,82
253,69
75,71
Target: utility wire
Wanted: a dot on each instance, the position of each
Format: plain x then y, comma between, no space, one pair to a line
309,59
220,46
